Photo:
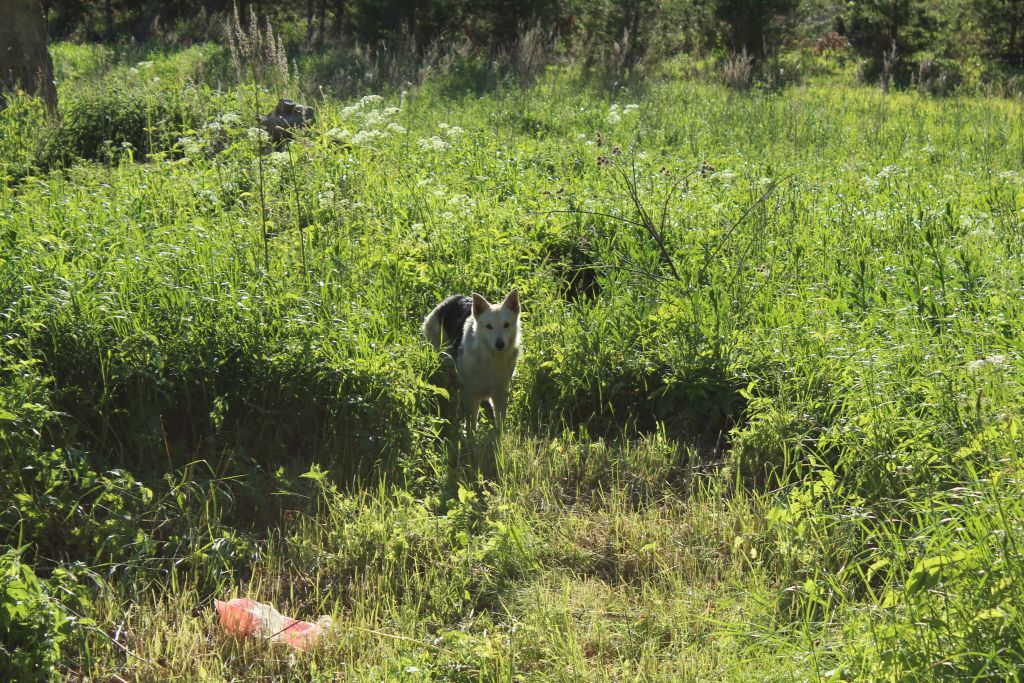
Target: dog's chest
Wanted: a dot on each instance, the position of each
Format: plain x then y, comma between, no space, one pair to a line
486,373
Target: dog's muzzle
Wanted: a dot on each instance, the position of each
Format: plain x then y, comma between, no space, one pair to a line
499,344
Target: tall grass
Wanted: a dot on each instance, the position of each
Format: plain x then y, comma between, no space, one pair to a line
766,422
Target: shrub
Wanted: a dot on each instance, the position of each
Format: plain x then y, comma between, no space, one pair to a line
31,625
104,118
937,76
25,133
590,372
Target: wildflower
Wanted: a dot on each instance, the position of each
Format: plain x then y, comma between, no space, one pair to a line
189,146
616,112
230,118
434,144
373,118
888,171
461,201
366,138
996,361
257,134
339,135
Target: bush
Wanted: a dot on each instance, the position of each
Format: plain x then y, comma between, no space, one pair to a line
25,132
592,373
105,118
31,626
937,76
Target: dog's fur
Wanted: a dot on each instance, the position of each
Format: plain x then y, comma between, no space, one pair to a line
482,339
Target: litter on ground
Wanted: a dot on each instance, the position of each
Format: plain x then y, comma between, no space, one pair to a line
245,618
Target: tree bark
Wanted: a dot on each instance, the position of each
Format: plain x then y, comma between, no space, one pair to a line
24,60
309,22
340,19
108,18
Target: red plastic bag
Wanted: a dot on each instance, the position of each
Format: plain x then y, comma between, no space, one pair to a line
243,617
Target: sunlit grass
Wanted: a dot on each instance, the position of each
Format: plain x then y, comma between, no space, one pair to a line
783,444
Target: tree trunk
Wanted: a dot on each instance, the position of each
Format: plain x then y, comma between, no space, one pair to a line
24,60
309,22
321,12
1016,17
108,18
340,18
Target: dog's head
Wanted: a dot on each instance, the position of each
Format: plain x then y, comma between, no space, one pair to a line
497,324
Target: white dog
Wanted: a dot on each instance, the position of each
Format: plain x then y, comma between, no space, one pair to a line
483,340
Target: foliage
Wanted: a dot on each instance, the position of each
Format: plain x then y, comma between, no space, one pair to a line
119,115
768,408
752,26
31,624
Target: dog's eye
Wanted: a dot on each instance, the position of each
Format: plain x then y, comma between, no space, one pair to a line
490,326
506,325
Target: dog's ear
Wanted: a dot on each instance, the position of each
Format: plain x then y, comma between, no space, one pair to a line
511,301
480,304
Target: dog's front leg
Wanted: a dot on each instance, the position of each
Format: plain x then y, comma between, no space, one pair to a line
499,402
470,406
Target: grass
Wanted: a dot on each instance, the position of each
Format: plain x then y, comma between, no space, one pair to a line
766,424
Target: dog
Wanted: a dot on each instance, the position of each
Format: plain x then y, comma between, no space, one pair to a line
482,340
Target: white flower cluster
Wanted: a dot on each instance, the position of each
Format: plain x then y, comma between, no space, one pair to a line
996,361
617,112
434,144
215,134
372,123
257,134
450,131
361,106
190,146
443,142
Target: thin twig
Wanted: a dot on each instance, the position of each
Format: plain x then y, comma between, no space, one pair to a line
739,221
125,649
593,213
395,636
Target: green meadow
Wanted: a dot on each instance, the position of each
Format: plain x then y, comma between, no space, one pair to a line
766,424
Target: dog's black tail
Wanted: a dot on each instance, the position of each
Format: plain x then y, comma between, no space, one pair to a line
445,323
